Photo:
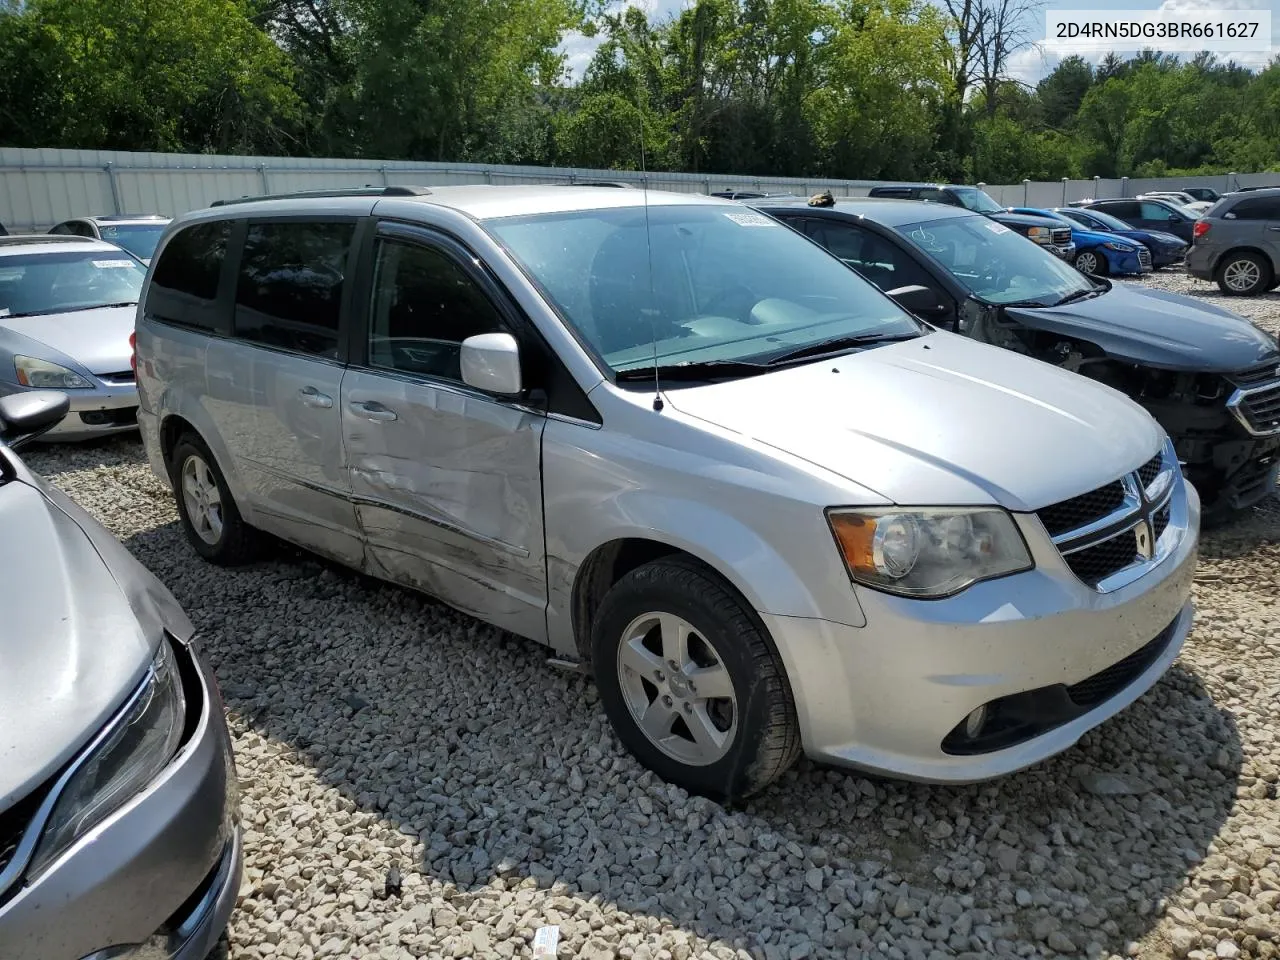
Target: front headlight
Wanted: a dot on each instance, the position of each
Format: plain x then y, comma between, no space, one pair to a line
34,372
927,552
1120,247
134,748
1039,233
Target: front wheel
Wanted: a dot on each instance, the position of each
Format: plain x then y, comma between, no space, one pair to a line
1091,263
691,684
1243,274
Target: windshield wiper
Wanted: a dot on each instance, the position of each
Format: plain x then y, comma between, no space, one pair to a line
694,370
1079,295
836,344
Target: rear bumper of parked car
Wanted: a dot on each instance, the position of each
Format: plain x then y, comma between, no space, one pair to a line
1200,261
885,696
159,878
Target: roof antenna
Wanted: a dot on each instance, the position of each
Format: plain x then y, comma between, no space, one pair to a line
653,298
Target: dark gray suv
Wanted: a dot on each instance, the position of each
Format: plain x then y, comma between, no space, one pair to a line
1237,243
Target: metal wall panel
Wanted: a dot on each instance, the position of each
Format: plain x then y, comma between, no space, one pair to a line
40,187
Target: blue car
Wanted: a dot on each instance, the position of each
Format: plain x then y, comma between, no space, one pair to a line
1166,249
1099,254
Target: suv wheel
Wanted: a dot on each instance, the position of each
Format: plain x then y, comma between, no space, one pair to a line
1091,263
1243,274
209,516
691,684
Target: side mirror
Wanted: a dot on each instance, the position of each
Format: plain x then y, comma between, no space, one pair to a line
1176,219
917,299
24,416
491,362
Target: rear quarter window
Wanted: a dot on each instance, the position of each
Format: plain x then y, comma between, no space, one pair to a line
184,286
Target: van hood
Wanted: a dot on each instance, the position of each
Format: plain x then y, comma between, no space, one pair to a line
82,622
939,420
1159,329
97,340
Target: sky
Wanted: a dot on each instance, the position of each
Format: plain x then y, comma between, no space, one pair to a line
1028,65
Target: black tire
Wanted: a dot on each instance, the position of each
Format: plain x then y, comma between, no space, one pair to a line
1248,263
766,741
1100,262
237,542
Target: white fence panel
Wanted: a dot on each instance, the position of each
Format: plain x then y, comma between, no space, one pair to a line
39,187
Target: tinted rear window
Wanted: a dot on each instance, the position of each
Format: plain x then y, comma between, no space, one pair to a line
289,291
185,282
1257,208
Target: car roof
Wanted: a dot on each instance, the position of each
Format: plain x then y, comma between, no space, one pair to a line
1253,192
122,218
478,201
27,243
890,211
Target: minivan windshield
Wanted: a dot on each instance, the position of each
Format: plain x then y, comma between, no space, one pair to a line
979,201
996,264
729,285
42,283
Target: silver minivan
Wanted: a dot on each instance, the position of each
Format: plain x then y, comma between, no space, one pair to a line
688,450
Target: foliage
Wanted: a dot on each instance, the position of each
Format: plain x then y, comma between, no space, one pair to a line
842,88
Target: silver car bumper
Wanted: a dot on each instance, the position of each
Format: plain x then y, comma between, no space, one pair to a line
105,409
161,874
885,696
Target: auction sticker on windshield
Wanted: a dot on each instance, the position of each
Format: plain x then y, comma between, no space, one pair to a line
112,264
751,220
997,228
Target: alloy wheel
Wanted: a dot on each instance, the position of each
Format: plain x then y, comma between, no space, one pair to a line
1241,275
1087,263
677,688
202,499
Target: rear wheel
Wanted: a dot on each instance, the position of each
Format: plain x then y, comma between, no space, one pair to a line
691,684
209,515
1092,263
1243,274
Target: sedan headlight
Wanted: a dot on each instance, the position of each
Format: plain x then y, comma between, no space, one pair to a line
134,748
34,372
928,553
1120,247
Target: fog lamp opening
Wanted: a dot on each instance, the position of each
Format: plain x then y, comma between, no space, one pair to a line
974,722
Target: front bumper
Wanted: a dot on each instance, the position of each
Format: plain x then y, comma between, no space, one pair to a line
161,874
884,697
1065,251
104,409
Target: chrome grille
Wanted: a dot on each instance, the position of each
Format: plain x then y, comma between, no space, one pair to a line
1110,536
1061,236
1144,257
1255,403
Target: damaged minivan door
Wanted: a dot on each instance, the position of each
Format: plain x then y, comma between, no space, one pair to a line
1209,376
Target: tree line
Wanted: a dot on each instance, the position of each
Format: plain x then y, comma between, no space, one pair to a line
833,88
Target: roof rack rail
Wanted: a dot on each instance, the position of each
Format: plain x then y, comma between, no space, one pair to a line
397,191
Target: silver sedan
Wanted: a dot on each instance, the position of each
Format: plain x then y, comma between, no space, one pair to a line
66,314
120,832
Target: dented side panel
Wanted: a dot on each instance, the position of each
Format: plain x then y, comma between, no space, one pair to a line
449,496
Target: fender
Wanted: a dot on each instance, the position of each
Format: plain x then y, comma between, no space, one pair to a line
182,404
771,583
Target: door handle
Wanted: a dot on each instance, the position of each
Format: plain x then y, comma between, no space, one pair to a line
314,398
1276,229
373,410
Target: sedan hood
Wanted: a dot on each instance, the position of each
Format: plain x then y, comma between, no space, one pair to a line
96,339
939,420
1089,238
82,622
1156,328
1156,236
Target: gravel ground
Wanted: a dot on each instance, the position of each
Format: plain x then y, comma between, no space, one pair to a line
376,730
